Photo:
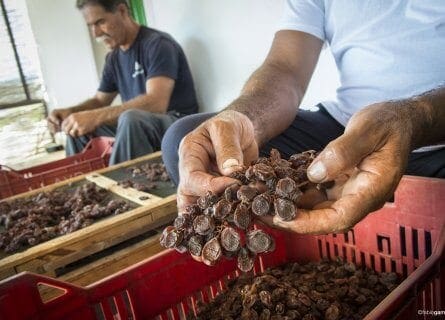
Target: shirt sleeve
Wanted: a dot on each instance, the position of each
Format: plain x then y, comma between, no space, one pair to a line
305,16
163,59
108,81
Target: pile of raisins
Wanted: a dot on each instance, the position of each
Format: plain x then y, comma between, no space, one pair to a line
330,290
223,225
39,218
151,171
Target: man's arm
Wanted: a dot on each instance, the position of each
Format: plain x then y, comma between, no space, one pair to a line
156,99
430,128
272,95
267,106
368,161
57,116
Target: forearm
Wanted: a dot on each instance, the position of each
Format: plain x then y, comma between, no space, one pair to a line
90,104
270,99
272,95
429,118
142,102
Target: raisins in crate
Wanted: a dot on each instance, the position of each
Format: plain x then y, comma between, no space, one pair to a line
245,260
287,292
61,211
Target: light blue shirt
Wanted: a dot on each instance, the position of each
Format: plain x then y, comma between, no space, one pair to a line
384,49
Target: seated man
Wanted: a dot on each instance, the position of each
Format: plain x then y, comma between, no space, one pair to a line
147,68
390,103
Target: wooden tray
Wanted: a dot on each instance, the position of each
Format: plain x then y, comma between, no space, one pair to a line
48,257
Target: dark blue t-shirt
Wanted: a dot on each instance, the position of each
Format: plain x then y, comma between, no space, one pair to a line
152,54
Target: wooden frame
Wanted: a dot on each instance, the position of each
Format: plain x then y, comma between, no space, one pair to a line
46,257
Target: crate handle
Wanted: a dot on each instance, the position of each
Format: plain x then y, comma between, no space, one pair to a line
10,170
49,292
37,285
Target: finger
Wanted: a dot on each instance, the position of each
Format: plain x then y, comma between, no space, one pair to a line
339,156
51,127
196,258
74,132
194,165
229,156
52,120
362,194
184,200
205,182
67,125
232,135
324,205
195,181
311,197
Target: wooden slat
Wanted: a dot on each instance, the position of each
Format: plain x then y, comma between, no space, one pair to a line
83,176
139,197
116,262
106,266
46,257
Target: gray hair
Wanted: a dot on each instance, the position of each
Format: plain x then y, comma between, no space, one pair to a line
108,5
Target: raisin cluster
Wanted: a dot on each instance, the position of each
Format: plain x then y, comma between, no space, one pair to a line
30,221
330,290
222,225
152,173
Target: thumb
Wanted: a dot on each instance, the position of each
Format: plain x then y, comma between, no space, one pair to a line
229,156
339,156
228,133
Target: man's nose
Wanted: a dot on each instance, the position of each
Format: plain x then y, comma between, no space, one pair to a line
97,31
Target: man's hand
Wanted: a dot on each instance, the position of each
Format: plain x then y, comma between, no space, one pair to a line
218,147
366,163
55,119
81,123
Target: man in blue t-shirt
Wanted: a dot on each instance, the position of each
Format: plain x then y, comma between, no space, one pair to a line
150,72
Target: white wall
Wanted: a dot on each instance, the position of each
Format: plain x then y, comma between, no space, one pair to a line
225,41
65,51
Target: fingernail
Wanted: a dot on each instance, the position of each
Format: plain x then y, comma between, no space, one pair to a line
317,171
230,163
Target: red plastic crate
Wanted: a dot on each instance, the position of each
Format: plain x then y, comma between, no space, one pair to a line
94,156
406,236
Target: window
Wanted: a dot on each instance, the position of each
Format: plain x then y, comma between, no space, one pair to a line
20,77
23,130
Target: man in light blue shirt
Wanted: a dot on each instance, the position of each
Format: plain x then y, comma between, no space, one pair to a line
390,103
